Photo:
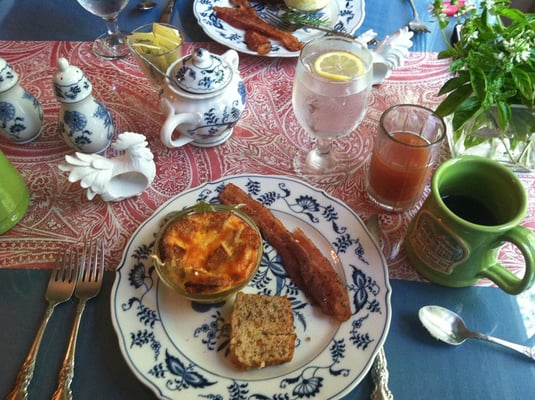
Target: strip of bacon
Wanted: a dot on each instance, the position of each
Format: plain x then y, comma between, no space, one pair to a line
257,42
308,268
245,17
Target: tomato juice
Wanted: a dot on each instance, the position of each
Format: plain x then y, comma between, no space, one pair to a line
399,170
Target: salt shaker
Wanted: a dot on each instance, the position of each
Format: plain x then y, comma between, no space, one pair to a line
85,123
21,114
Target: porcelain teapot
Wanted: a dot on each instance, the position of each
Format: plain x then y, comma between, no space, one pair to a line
203,98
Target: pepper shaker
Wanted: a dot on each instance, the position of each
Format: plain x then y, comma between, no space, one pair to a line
85,124
21,114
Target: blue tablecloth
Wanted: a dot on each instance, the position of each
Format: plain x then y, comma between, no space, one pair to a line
420,367
67,20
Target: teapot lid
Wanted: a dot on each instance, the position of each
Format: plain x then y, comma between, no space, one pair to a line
202,72
8,76
70,83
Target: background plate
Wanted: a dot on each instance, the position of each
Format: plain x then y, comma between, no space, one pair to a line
180,349
347,17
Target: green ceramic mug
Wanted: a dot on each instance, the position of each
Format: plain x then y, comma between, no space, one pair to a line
475,206
14,197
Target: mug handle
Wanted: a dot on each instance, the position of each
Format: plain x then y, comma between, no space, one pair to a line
172,122
524,239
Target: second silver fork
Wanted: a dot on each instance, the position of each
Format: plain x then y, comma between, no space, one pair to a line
88,286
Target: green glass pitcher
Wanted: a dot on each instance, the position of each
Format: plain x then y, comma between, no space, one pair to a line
14,196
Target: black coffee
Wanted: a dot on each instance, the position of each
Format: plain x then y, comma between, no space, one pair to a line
470,209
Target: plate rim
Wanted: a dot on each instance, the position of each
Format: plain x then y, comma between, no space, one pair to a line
360,6
379,342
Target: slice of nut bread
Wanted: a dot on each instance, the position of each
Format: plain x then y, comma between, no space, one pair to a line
262,331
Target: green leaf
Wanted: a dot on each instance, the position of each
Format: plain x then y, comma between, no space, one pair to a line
469,109
522,123
513,14
523,82
478,79
504,114
296,17
454,83
451,103
447,53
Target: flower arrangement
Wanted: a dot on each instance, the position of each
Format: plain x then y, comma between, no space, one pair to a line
493,61
494,71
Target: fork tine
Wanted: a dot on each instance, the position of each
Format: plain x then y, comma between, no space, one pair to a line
92,261
274,20
70,265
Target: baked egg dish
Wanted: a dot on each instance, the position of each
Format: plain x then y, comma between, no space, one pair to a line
207,252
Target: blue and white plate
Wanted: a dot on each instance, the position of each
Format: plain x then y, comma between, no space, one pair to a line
344,15
180,349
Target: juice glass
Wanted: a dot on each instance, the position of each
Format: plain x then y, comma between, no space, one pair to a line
406,147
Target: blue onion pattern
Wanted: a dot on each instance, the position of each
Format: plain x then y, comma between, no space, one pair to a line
89,131
75,120
175,371
7,112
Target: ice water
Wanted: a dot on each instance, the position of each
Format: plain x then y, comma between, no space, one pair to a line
328,108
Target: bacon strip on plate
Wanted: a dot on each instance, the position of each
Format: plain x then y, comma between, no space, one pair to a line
308,268
243,16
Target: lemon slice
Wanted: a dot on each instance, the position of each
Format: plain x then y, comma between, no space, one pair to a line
338,65
161,40
170,34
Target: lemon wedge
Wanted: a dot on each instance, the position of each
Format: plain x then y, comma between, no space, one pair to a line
161,40
167,32
338,65
167,37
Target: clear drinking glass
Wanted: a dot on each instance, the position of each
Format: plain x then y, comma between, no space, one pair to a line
329,108
155,63
406,148
111,45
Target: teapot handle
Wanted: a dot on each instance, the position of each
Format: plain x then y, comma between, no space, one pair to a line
172,122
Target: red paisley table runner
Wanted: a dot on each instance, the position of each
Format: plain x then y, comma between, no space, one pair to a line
264,141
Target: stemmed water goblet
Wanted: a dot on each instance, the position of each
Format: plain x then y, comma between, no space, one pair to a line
111,45
332,83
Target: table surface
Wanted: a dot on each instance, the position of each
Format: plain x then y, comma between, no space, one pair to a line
264,141
66,20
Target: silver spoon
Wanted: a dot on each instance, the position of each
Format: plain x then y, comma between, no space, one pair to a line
449,327
146,5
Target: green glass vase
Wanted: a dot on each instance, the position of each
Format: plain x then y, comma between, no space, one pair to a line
482,136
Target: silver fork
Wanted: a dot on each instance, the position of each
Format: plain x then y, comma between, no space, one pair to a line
416,25
60,287
88,286
275,20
